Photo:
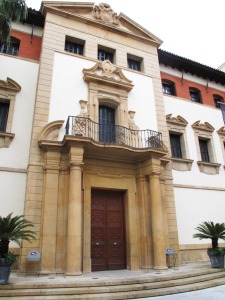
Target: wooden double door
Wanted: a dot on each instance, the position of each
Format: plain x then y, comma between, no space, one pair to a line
107,230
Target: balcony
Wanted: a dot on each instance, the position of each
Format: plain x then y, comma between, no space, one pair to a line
81,127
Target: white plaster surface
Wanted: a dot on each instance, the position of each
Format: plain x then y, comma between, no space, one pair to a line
68,88
197,204
16,155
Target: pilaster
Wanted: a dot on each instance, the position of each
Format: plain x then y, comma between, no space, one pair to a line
75,213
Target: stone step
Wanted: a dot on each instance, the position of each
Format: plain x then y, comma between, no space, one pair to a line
128,288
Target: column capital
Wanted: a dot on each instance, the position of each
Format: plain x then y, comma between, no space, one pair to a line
76,156
153,170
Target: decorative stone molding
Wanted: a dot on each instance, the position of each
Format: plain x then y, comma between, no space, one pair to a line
103,12
205,131
177,125
176,120
221,131
51,131
10,85
106,73
182,164
6,139
208,167
203,126
132,124
8,90
83,107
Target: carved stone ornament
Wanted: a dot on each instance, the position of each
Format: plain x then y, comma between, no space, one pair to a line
106,73
10,84
221,131
203,126
176,120
105,13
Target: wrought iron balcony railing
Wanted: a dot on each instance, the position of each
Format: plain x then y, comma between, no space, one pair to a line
113,134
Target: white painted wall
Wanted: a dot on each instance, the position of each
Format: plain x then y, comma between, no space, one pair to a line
13,184
16,155
68,87
193,206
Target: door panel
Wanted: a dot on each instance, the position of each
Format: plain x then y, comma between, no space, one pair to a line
107,231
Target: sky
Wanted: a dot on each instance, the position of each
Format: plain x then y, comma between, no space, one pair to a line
194,29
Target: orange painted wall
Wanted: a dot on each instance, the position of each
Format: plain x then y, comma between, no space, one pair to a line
182,89
27,49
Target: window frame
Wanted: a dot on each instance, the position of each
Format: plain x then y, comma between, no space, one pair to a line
9,48
109,53
4,112
170,84
8,91
204,131
132,59
217,98
177,126
197,92
175,145
77,43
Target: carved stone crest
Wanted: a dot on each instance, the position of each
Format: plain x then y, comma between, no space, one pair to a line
105,13
105,72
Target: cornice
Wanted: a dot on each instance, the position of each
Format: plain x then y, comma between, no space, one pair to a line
149,38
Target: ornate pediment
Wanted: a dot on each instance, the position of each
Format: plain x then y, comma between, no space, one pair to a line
106,73
203,126
104,12
101,15
176,120
221,131
10,85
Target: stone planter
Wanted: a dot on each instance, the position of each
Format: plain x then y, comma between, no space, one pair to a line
217,260
4,272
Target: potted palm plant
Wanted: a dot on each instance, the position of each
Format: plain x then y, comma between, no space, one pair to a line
12,229
213,231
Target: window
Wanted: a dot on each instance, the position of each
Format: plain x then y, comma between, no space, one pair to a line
175,145
106,124
205,147
74,45
134,62
217,99
168,87
4,110
105,53
178,143
203,144
8,91
195,95
12,48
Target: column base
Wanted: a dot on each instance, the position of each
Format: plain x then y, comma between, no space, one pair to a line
73,273
160,268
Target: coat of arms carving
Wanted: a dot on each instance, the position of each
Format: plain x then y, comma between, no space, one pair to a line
105,13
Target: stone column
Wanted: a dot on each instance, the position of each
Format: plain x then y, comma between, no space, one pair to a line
158,234
49,229
74,231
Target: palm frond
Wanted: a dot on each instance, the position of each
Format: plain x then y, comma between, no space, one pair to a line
15,229
210,230
11,10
